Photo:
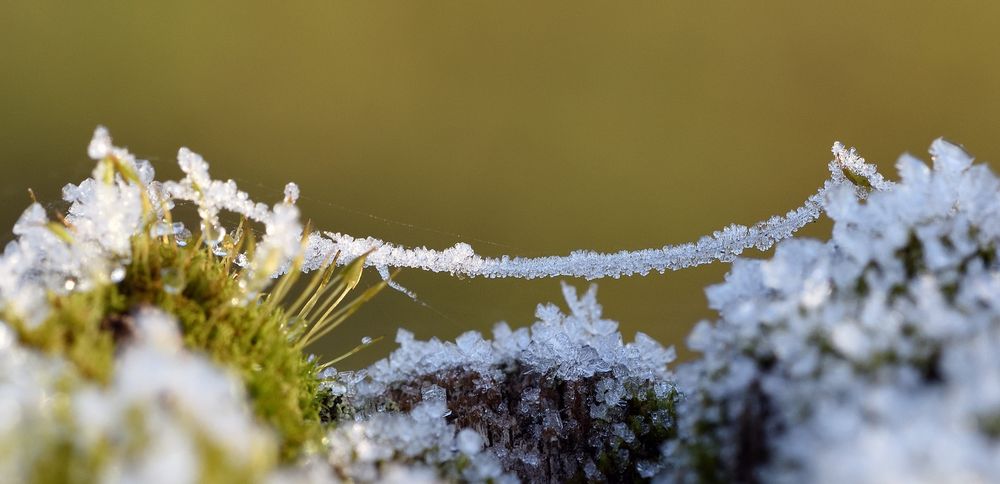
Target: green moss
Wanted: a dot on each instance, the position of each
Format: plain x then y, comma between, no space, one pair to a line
258,340
197,288
989,425
60,458
76,330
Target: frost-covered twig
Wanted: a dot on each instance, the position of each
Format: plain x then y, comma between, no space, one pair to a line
213,196
110,208
723,245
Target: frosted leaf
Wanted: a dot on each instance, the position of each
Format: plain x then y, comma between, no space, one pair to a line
849,162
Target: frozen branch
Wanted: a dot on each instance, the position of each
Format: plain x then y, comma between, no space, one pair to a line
111,207
723,245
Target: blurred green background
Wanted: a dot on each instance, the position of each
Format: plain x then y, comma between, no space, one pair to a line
521,127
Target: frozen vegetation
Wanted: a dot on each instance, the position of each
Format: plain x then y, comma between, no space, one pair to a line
133,349
723,245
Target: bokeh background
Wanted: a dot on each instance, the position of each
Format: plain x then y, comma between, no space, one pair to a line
520,127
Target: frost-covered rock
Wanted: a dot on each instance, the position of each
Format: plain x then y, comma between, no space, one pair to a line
871,357
565,399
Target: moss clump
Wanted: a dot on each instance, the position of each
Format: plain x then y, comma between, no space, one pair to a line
258,339
58,457
76,330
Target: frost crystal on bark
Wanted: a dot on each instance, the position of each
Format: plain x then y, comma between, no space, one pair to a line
566,399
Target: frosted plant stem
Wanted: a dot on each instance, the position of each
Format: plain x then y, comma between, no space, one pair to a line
122,196
211,196
723,245
284,232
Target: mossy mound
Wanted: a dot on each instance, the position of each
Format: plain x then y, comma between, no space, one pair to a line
255,339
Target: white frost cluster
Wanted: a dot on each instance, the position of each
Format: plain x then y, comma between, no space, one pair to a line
572,379
106,211
571,346
283,231
419,445
120,200
873,357
163,411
